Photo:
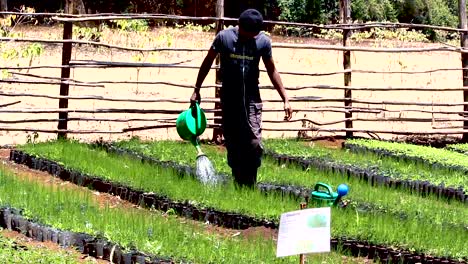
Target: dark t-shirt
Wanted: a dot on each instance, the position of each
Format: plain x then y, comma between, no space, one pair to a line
239,64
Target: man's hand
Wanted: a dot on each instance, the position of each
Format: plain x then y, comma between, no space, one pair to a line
287,111
195,98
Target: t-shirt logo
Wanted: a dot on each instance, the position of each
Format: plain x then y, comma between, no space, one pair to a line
240,57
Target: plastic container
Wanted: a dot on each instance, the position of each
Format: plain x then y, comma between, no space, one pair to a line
191,123
323,195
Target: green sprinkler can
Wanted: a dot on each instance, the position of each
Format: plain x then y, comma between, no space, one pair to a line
323,195
191,123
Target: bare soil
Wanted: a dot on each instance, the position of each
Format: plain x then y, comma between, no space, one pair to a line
287,60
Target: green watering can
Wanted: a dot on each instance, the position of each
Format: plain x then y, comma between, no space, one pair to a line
190,124
323,194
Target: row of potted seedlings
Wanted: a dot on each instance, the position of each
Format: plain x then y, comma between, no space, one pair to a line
12,219
443,158
362,217
68,215
369,167
297,192
292,177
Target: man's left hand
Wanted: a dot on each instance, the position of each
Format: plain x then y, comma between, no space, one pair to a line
287,111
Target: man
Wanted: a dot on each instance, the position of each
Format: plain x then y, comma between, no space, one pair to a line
240,49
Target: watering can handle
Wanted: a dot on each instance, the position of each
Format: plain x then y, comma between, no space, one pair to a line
196,113
326,186
198,117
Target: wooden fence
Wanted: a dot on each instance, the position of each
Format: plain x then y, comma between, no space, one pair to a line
453,112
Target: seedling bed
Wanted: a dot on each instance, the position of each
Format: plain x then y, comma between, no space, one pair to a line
460,148
392,201
374,178
12,219
45,168
382,165
297,192
139,197
441,158
17,250
151,232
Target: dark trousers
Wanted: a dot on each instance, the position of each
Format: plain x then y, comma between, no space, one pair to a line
243,143
245,176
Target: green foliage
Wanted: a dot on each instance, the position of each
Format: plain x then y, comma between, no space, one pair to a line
433,12
461,148
429,155
313,11
132,25
143,230
384,165
429,235
30,52
195,27
401,34
87,33
33,50
12,252
391,201
373,10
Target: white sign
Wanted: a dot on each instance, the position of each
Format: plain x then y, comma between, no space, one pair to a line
304,231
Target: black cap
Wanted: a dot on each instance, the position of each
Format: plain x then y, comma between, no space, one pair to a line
251,20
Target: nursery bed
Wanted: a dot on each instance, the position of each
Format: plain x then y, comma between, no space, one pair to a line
75,211
377,169
370,225
298,181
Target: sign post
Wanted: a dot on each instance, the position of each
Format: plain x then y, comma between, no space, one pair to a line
303,232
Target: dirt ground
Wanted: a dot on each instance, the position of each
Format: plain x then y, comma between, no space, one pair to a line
287,60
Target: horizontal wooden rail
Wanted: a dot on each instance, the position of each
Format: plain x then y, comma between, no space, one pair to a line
115,16
89,119
54,131
99,44
371,89
274,45
9,104
354,130
50,82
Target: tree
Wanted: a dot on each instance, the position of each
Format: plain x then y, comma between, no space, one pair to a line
76,7
3,5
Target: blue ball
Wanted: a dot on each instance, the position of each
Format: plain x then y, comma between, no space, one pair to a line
343,189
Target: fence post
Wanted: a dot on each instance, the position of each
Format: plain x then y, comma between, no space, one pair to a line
64,87
217,132
464,60
346,19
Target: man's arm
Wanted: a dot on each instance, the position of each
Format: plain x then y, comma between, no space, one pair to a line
278,84
202,73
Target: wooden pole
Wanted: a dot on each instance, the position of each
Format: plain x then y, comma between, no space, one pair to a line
464,58
346,12
217,132
64,87
302,257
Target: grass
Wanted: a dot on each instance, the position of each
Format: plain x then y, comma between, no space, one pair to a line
460,148
429,237
13,252
389,200
388,166
144,230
